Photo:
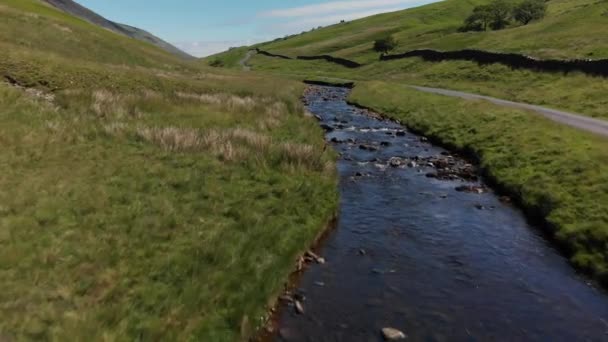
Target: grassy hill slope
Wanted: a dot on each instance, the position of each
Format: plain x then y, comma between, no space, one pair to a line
33,26
82,12
571,29
144,197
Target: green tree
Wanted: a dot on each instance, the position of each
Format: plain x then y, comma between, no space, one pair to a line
529,10
216,63
385,45
478,20
500,14
495,15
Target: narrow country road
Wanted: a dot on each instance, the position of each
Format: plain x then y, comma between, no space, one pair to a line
582,122
243,62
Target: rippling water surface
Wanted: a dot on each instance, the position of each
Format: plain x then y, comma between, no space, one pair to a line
410,252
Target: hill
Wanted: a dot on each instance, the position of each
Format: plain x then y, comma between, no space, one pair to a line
82,12
571,29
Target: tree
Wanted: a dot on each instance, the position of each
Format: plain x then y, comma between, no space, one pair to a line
478,20
495,15
216,63
500,13
529,10
385,45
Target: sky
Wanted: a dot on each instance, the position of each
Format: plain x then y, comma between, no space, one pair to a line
205,27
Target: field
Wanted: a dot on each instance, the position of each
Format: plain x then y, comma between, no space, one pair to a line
143,197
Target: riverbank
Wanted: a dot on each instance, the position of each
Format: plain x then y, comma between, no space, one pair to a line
556,173
174,212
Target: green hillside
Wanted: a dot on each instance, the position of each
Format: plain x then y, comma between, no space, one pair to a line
571,29
34,26
143,197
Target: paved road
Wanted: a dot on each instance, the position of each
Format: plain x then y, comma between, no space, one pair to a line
585,123
243,62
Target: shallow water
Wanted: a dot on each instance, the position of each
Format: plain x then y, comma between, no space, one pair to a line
410,252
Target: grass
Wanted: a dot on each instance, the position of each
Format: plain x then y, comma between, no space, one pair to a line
145,217
575,92
556,172
143,197
571,29
36,26
230,59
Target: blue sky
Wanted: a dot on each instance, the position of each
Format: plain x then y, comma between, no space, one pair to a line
203,27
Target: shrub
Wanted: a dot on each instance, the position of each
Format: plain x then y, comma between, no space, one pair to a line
385,45
529,10
495,15
478,20
216,63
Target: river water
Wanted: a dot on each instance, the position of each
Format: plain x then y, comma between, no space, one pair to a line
412,253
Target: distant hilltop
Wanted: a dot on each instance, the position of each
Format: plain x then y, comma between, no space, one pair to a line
82,12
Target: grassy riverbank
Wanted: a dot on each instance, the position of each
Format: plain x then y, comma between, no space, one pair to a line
144,197
573,92
183,222
556,172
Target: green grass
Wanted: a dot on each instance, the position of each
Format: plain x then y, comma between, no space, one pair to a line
230,58
35,26
126,227
149,198
575,92
571,29
558,172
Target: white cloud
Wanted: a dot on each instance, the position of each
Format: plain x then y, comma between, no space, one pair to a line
331,7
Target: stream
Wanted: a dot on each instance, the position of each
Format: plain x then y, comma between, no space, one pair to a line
412,252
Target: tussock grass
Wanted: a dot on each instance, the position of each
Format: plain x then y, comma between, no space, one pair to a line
555,171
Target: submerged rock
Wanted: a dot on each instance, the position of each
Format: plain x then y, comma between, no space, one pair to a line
368,147
392,334
327,128
471,189
395,162
299,307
